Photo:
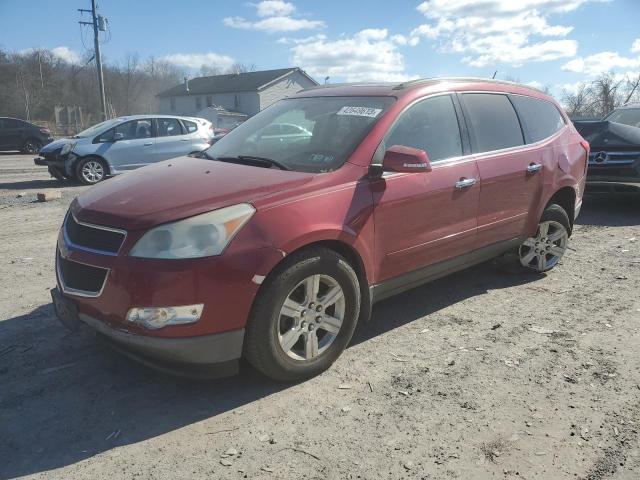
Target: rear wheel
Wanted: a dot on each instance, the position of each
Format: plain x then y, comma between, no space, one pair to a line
304,316
31,145
91,170
543,251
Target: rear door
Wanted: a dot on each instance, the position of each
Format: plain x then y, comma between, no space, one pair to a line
510,173
424,218
172,140
135,149
10,134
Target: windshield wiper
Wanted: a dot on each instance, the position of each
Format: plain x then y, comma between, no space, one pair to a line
261,161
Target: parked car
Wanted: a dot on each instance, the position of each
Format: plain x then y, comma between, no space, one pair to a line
122,144
614,162
275,256
16,134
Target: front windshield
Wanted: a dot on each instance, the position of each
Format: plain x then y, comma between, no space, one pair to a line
628,116
99,128
313,134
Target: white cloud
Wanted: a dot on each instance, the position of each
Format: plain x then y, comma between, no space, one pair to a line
297,41
635,48
274,24
197,60
535,84
275,16
490,32
62,53
367,55
600,63
274,8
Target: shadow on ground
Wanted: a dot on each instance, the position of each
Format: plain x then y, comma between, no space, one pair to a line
37,184
62,396
610,210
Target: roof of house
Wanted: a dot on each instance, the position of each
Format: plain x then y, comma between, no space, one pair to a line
234,82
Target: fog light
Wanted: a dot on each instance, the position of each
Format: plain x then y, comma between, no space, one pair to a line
158,317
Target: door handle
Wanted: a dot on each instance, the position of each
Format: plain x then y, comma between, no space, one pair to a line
465,183
148,144
184,139
534,167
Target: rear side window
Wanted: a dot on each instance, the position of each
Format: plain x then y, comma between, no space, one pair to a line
169,127
493,120
8,123
430,125
540,119
190,126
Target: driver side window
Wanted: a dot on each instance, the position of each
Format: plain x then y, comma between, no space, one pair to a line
430,125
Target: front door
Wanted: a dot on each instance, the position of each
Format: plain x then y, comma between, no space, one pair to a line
425,218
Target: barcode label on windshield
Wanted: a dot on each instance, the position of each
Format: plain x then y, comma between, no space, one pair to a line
360,111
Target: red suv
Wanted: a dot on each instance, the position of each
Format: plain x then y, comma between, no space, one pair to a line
272,246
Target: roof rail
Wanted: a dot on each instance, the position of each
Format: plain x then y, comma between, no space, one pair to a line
349,84
422,81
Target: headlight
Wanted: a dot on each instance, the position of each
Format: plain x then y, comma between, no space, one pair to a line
67,147
204,235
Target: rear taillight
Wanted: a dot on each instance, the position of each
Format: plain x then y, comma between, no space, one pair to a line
587,148
45,130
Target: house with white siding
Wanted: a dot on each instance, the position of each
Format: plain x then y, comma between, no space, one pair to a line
242,93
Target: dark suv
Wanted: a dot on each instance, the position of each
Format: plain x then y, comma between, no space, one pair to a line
24,136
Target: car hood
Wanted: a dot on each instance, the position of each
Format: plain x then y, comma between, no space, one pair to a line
50,147
178,188
603,134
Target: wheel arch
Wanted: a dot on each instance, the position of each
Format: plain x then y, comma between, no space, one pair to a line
351,254
566,198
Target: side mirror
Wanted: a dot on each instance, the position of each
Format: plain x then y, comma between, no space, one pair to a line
118,136
405,160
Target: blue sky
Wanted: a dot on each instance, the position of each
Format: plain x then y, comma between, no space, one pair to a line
544,42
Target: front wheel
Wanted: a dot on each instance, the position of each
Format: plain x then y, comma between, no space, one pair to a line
91,170
303,316
543,251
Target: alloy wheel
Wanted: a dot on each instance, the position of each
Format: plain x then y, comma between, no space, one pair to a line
544,251
92,171
311,317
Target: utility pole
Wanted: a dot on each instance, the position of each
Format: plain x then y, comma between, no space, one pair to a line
98,24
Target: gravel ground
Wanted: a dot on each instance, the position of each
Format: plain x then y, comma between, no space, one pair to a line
479,375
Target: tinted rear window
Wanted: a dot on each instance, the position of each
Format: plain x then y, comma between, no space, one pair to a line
493,120
190,126
540,119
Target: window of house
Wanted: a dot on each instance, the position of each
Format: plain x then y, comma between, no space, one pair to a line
172,101
430,125
494,122
209,101
198,103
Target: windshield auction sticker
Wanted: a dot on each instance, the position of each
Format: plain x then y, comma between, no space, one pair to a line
360,111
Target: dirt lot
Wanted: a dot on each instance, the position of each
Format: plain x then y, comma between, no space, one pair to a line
479,375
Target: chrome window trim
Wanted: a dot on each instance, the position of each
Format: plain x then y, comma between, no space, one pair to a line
74,291
75,246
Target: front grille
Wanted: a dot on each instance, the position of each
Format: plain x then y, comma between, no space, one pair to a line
611,171
93,237
82,278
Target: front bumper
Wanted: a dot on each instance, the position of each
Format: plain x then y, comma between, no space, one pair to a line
206,356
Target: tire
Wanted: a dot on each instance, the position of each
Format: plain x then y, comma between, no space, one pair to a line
31,145
542,252
269,331
91,170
